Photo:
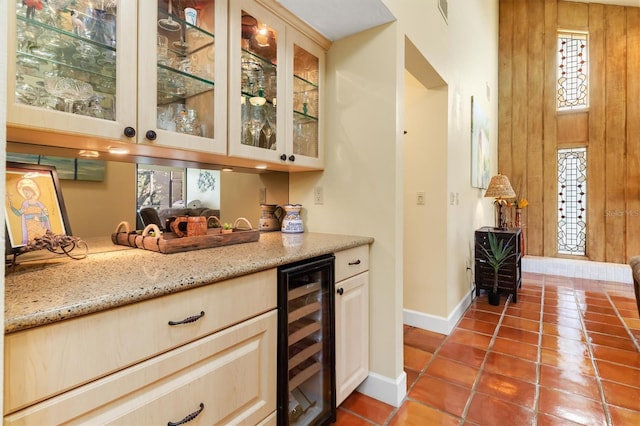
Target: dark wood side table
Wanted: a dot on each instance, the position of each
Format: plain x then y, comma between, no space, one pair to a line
510,274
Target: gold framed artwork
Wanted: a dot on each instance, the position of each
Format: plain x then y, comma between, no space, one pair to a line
33,204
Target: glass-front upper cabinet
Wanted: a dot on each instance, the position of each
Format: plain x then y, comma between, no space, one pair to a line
275,77
66,60
256,82
132,71
182,74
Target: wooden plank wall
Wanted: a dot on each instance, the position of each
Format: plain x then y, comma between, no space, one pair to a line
530,131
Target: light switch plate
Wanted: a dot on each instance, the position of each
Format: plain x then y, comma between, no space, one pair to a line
318,195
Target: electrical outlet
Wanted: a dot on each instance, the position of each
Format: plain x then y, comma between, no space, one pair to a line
420,198
262,195
318,195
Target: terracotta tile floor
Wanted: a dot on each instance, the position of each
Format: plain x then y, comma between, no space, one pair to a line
568,353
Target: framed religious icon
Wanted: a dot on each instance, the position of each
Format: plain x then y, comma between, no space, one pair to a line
33,205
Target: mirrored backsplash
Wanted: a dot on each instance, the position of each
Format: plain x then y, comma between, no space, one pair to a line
96,207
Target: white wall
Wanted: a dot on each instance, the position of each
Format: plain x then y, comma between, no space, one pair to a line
364,177
362,181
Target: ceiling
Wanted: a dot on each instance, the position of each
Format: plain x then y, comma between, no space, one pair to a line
336,19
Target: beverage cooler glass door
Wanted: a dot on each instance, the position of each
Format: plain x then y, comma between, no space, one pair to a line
306,367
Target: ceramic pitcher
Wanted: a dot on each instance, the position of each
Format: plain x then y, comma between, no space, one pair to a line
291,222
271,217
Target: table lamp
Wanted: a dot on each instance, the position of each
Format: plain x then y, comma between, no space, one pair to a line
500,189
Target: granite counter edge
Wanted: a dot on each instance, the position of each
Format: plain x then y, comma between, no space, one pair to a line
15,323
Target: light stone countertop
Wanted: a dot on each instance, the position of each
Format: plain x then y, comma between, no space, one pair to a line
40,292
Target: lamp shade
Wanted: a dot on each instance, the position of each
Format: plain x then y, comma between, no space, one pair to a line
500,187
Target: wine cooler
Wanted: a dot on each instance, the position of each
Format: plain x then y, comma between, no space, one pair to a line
306,351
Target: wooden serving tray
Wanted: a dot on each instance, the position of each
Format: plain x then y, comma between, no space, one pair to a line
169,242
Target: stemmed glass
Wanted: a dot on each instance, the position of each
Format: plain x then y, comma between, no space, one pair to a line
168,24
69,89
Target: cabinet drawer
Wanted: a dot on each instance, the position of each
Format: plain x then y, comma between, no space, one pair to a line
351,262
44,361
232,373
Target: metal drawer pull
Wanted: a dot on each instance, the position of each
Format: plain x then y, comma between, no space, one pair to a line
188,319
357,262
189,417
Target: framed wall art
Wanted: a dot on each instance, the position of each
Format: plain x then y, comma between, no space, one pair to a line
480,147
33,204
67,168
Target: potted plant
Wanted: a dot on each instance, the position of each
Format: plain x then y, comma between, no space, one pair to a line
227,228
496,256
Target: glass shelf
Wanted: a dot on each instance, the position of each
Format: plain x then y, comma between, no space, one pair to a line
188,40
263,62
48,47
201,32
302,118
63,32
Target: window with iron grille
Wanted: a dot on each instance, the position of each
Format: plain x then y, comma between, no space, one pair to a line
572,201
573,81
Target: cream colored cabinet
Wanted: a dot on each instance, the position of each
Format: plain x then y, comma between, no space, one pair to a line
121,70
351,320
275,77
152,362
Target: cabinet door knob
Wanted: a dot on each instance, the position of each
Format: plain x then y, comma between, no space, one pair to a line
292,158
129,131
151,135
340,291
283,157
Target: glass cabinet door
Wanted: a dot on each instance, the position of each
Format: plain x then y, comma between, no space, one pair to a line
256,83
308,62
186,42
67,54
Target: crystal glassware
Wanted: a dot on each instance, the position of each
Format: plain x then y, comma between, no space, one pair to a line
69,89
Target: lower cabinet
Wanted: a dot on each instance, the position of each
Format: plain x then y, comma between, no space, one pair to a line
351,320
226,375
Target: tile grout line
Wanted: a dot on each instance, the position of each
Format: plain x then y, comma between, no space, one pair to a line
465,411
603,399
536,395
420,374
621,318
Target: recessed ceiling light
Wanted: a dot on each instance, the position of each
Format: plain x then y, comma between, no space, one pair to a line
227,169
88,153
261,166
118,150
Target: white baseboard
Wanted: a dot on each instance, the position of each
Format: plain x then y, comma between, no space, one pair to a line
385,389
616,272
436,323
